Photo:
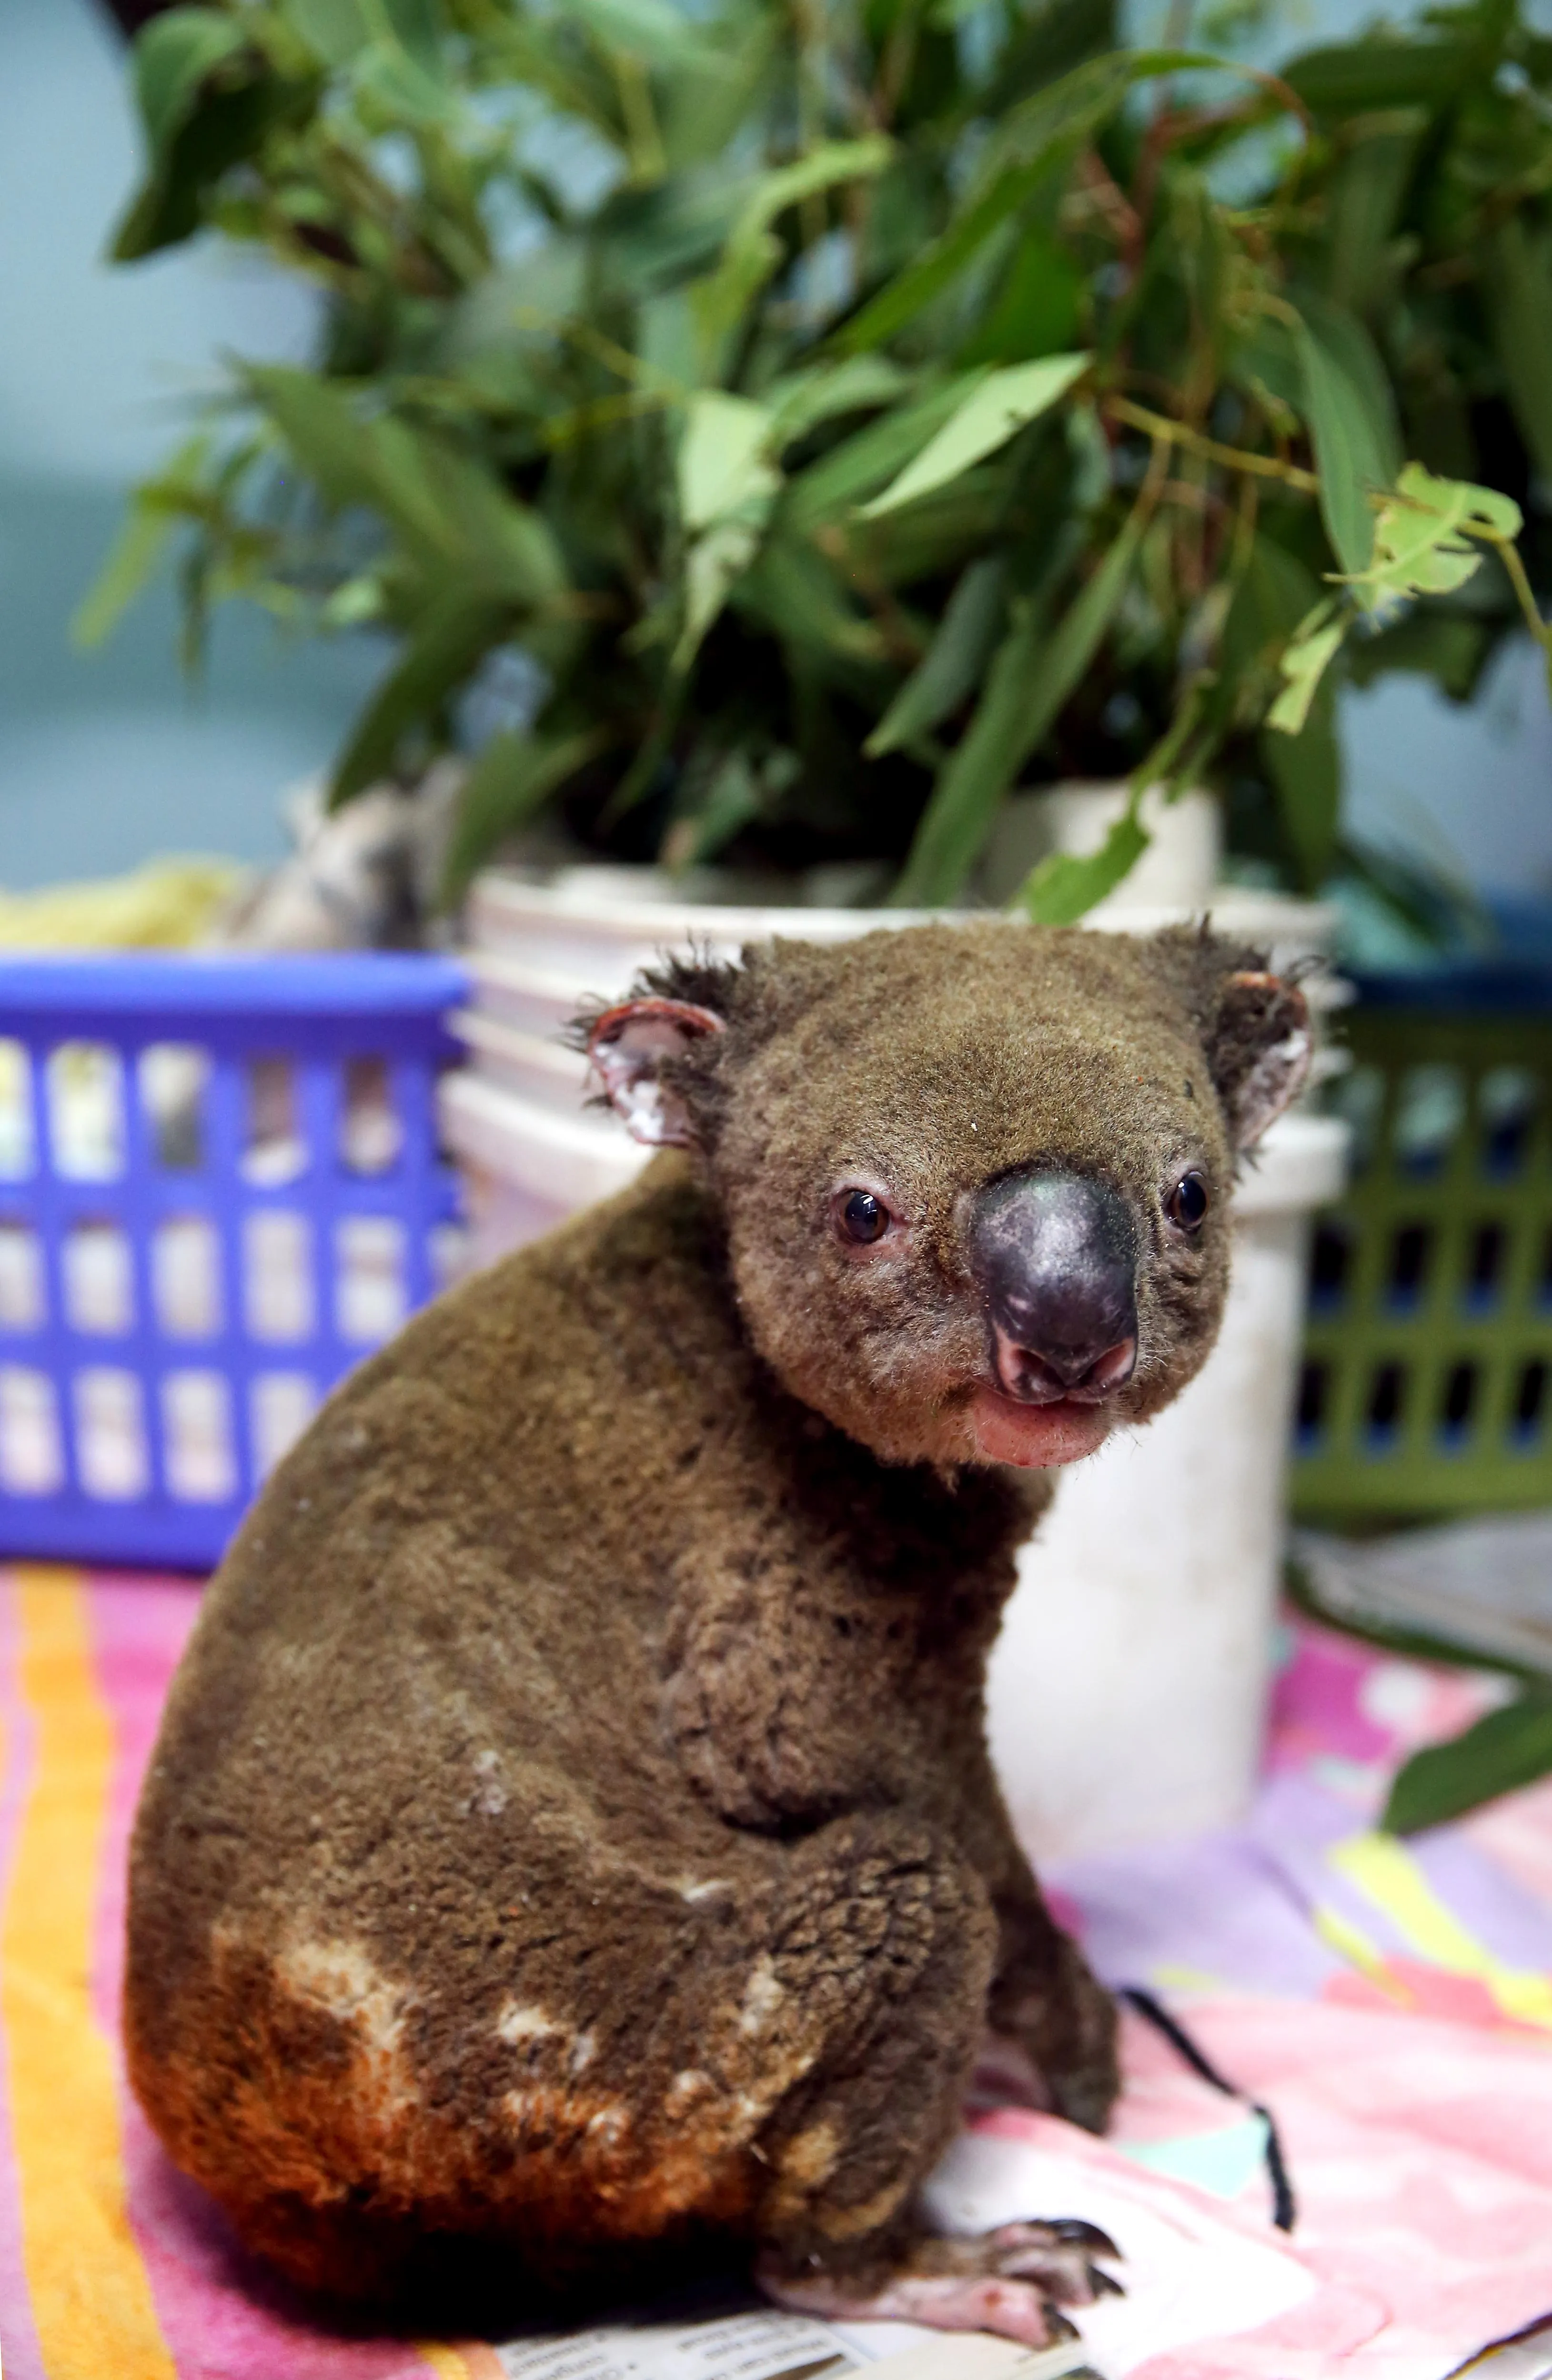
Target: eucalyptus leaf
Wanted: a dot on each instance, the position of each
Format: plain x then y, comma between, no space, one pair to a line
1034,673
1064,887
650,30
723,461
1304,664
795,593
828,489
173,58
1306,774
1351,418
445,647
929,275
1423,536
513,778
322,429
951,666
1378,71
1366,203
1508,1748
1518,284
992,412
225,119
397,84
730,797
339,29
800,402
141,544
753,252
713,567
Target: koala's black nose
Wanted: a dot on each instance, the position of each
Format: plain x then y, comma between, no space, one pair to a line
1056,1255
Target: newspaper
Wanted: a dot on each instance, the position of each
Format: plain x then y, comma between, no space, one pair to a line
763,2344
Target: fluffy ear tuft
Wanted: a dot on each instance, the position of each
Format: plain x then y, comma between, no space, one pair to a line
627,1048
1259,1050
1255,1027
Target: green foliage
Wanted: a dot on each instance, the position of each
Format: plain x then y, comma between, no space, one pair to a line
1507,1749
832,419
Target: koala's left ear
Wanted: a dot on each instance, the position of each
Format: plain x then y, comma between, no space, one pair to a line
1259,1046
626,1050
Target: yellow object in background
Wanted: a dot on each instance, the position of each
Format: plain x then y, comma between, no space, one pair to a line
169,904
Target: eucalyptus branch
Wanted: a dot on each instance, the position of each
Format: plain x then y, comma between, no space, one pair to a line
1509,554
1158,426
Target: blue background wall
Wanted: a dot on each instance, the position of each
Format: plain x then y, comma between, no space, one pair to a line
108,757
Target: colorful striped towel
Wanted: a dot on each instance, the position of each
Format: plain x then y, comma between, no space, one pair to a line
1393,2006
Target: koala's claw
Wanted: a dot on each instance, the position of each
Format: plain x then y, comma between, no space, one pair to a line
1013,2282
1073,2232
1059,2256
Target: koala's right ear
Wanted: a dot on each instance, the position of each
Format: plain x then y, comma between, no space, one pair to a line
1260,1049
1254,1025
626,1050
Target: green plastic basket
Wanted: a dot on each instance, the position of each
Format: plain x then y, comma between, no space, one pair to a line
1427,1378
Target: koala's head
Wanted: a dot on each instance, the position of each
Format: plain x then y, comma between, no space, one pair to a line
976,1180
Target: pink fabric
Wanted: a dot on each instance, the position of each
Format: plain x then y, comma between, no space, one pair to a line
1422,2156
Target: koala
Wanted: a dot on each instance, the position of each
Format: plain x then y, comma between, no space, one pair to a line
571,1851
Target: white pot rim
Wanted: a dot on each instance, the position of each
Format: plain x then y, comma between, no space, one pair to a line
512,901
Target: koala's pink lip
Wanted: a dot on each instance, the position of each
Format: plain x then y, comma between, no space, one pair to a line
1034,1438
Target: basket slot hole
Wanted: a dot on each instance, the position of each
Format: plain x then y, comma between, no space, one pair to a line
1459,1403
370,1132
1410,1251
186,1277
1315,1383
1358,1097
1330,1264
1386,1396
1430,1109
111,1457
21,1278
1530,1399
32,1450
370,1297
19,1143
278,1304
97,1279
197,1438
85,1093
447,1250
1485,1275
1506,1100
274,1149
281,1404
173,1078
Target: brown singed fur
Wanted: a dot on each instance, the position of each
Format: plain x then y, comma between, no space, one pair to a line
572,1828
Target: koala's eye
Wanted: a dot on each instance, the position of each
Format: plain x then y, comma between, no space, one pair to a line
1187,1202
863,1216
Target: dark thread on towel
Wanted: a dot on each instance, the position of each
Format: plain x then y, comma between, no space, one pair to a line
1284,2207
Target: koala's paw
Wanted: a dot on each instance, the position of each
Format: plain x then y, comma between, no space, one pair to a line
1011,2282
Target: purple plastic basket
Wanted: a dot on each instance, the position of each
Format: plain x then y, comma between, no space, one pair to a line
219,1186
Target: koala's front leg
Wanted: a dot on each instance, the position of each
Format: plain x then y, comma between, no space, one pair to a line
877,1950
1045,2000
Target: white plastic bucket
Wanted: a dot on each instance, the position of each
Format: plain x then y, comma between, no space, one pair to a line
1128,1686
